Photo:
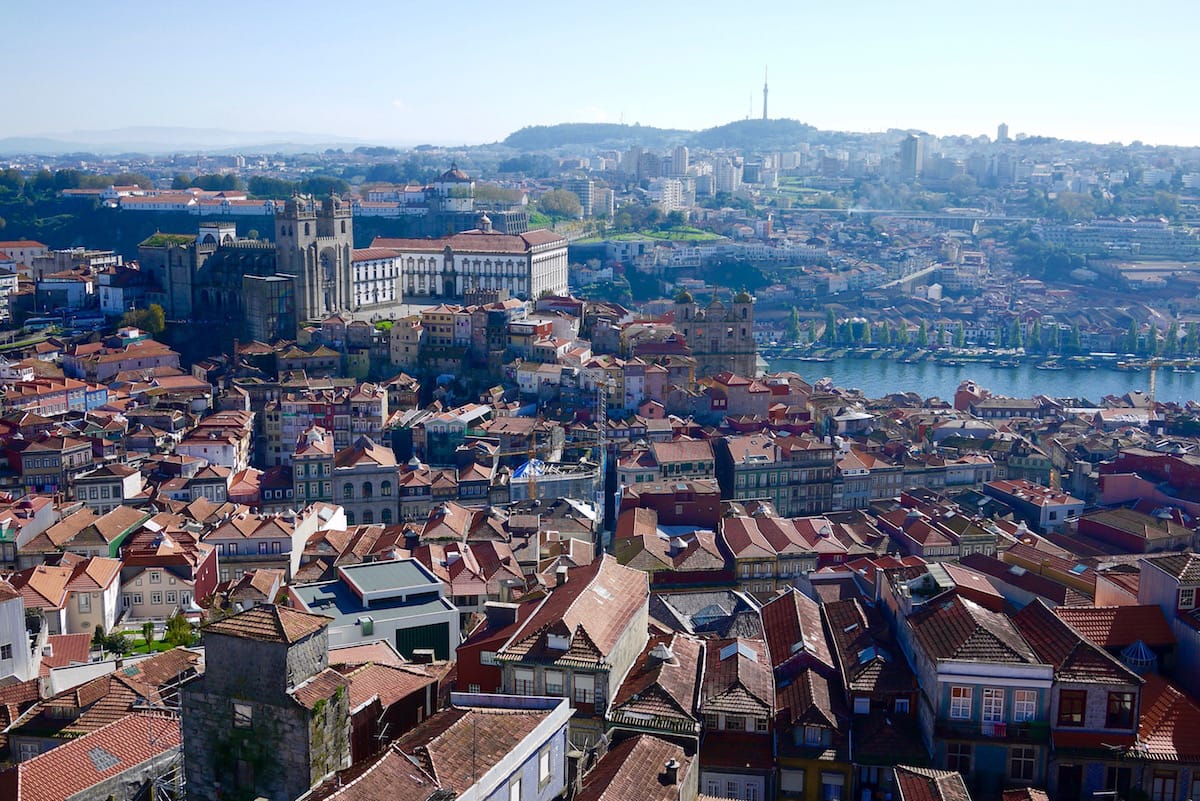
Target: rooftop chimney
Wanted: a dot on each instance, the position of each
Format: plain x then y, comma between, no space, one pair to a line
560,575
500,614
423,656
672,771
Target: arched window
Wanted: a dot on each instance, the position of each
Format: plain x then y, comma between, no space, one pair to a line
386,516
385,489
367,490
368,517
306,229
350,518
347,490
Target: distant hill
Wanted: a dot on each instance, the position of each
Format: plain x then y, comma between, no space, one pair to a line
550,137
755,134
741,134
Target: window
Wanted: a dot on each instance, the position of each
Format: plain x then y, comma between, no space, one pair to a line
6,651
960,703
172,597
761,725
347,490
156,598
1120,711
792,781
901,706
993,704
487,657
1162,787
1024,705
862,705
85,602
831,786
958,757
137,599
523,681
1071,706
514,790
585,688
813,735
243,716
385,489
1187,597
28,751
262,547
544,767
735,723
554,682
1021,763
472,688
752,792
155,577
710,721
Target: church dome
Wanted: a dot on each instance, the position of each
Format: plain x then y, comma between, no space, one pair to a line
743,297
684,297
454,175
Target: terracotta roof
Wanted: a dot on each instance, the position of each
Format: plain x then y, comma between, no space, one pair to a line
663,690
1169,722
392,776
870,662
635,769
1184,567
958,628
595,607
792,624
72,768
1074,658
270,623
66,649
388,683
461,743
738,678
1118,626
928,784
43,586
319,687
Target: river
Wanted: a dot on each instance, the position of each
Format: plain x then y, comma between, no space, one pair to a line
879,377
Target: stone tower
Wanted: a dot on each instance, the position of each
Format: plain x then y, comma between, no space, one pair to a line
314,243
269,718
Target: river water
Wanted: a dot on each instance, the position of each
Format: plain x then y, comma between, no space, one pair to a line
879,377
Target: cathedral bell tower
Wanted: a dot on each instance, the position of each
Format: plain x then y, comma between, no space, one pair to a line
314,244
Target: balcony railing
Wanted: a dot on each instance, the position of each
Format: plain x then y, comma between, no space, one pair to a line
1028,731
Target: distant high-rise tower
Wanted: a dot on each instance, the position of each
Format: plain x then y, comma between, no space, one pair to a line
911,160
764,93
1002,132
680,160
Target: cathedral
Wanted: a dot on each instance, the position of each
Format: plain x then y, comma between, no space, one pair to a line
721,337
314,243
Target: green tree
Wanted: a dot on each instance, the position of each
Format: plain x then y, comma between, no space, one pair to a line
324,185
885,335
152,320
561,204
1035,337
1075,342
179,631
793,327
902,334
830,327
181,181
98,637
960,336
266,187
1132,337
117,643
1016,338
941,335
148,632
1171,340
1152,340
923,335
812,330
1191,342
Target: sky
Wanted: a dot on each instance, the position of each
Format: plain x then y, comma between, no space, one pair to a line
465,72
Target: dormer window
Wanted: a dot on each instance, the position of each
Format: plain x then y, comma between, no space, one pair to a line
1187,597
557,642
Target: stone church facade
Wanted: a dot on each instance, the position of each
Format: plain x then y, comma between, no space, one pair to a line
720,337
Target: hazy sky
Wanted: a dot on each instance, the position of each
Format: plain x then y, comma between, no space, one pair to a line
459,72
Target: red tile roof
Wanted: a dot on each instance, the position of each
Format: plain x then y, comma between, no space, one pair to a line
66,649
792,624
1169,722
738,678
1118,626
1074,658
74,767
386,682
927,784
957,628
270,623
664,690
635,769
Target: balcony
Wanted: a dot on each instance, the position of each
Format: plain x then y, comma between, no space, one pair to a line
1030,732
